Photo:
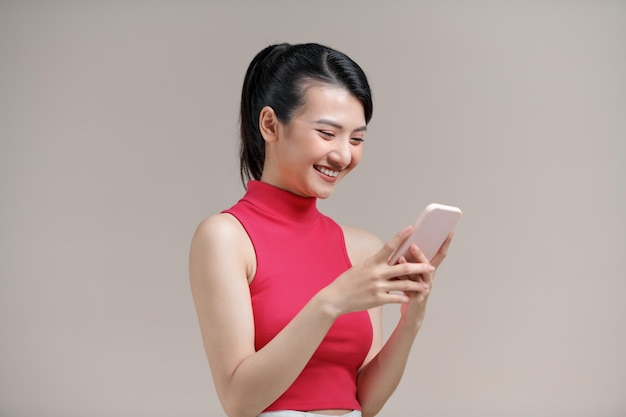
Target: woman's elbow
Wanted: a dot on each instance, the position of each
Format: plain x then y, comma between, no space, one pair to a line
235,407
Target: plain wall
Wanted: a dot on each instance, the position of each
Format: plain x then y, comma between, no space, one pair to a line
118,129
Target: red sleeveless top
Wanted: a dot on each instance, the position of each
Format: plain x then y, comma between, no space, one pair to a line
299,251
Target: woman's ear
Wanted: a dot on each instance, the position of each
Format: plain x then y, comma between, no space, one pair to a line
269,124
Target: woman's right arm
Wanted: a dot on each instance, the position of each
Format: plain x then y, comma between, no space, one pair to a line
221,263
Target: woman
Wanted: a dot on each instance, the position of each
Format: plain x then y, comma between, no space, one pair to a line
289,302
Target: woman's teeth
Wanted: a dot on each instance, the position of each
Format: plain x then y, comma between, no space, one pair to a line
327,171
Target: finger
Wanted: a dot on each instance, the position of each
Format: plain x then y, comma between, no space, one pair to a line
406,286
392,244
396,298
407,269
402,260
418,255
419,278
420,258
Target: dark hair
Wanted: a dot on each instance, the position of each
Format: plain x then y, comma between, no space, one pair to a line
277,77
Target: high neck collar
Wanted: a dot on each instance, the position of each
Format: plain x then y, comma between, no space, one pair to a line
281,203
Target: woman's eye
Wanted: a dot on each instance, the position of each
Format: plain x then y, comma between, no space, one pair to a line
357,141
327,133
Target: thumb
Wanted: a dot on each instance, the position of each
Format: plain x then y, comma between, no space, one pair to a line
394,243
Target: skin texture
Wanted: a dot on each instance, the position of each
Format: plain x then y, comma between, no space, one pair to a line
326,134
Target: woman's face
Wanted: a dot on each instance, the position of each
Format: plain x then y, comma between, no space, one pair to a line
319,146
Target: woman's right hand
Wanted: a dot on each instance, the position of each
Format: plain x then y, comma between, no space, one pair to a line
374,282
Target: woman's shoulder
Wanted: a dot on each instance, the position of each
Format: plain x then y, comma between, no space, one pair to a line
360,243
218,226
220,238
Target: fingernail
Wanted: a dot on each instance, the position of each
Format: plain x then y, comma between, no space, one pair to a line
431,268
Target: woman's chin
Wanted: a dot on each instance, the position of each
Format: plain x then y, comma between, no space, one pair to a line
325,193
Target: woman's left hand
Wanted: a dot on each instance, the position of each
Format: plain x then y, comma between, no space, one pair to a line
415,309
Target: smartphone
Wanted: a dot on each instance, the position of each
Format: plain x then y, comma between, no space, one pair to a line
430,230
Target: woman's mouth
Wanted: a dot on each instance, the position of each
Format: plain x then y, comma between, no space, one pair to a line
326,171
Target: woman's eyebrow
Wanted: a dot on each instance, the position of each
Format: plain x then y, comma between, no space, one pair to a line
338,126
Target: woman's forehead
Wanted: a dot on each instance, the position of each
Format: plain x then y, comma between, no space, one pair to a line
332,104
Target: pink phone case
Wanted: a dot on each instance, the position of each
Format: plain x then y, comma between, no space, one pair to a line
430,230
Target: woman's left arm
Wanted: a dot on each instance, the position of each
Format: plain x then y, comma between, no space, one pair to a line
384,367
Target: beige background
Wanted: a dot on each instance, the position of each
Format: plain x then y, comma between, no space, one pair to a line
118,125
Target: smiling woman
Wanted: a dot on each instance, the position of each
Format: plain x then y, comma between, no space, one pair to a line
289,302
295,157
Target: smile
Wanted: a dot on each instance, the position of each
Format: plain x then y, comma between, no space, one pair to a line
326,171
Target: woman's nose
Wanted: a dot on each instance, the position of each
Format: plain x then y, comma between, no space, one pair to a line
341,155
